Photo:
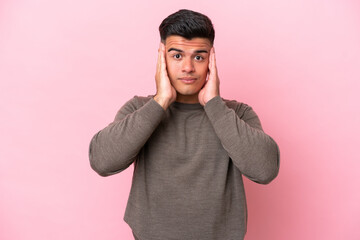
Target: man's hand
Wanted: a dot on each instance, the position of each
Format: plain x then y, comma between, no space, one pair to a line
165,92
211,87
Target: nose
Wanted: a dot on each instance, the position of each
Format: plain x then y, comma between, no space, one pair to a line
188,65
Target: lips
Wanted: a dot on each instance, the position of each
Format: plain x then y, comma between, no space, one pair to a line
187,79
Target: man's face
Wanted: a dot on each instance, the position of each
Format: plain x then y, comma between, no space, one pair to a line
187,63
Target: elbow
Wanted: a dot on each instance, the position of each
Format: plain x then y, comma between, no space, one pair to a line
96,166
105,171
267,165
98,160
106,168
264,171
105,162
95,163
271,166
267,176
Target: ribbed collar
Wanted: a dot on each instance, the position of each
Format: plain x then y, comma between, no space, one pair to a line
187,106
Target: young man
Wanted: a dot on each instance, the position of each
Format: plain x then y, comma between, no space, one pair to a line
189,146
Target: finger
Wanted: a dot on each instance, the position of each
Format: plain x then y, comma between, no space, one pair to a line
212,66
158,60
162,59
213,59
216,76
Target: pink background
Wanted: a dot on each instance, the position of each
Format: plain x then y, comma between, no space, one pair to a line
67,66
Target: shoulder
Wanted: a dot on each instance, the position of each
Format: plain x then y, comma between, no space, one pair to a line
131,106
137,101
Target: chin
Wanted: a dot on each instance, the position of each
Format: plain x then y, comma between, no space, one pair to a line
188,92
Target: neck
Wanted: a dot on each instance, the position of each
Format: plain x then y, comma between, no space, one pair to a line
187,98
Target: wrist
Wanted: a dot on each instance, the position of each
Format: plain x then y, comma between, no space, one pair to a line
210,98
162,101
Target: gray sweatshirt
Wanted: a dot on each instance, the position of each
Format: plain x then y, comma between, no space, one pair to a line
188,166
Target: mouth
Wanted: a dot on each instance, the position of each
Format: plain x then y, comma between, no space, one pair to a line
187,79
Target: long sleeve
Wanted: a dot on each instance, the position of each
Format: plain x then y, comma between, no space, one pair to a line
252,151
114,148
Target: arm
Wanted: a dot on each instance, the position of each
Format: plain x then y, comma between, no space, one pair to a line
252,151
114,148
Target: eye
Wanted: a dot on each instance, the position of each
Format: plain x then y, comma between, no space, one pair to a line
177,56
199,58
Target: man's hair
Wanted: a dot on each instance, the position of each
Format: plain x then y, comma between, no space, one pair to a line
187,24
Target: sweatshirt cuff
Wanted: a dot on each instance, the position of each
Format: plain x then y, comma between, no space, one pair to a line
152,109
156,105
215,108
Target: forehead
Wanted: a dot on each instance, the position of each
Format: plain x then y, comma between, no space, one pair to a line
186,44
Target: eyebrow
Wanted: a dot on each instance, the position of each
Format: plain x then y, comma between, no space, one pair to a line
179,50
